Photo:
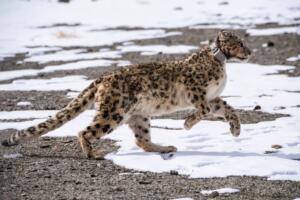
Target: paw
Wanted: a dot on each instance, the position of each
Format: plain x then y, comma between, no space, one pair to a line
96,154
188,124
235,129
169,149
7,143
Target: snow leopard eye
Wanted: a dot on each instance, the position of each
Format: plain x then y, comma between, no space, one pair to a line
241,44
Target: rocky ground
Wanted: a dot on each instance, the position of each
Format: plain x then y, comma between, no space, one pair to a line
54,168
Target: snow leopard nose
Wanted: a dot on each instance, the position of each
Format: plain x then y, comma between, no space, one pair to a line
248,51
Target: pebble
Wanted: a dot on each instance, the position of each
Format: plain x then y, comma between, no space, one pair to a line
223,3
93,175
276,146
214,194
270,44
78,182
257,107
145,182
64,1
47,176
174,172
118,189
67,141
44,146
178,8
269,152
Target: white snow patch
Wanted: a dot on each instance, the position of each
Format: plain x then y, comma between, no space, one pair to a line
35,51
24,103
129,174
23,114
72,94
155,49
8,75
13,155
274,31
220,191
101,37
70,55
128,43
220,26
205,42
293,59
76,83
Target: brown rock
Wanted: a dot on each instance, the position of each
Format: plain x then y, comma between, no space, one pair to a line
276,146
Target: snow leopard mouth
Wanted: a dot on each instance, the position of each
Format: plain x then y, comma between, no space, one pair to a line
243,57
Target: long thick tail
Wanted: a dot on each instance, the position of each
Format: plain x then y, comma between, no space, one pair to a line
72,110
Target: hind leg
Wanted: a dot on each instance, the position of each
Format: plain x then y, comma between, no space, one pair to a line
140,125
100,127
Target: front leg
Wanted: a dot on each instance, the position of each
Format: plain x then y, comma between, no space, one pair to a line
221,109
203,109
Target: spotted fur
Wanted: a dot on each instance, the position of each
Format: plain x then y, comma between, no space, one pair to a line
132,95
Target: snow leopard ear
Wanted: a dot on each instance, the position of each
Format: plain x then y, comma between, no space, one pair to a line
223,35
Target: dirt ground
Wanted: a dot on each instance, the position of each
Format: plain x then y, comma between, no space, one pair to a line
55,168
